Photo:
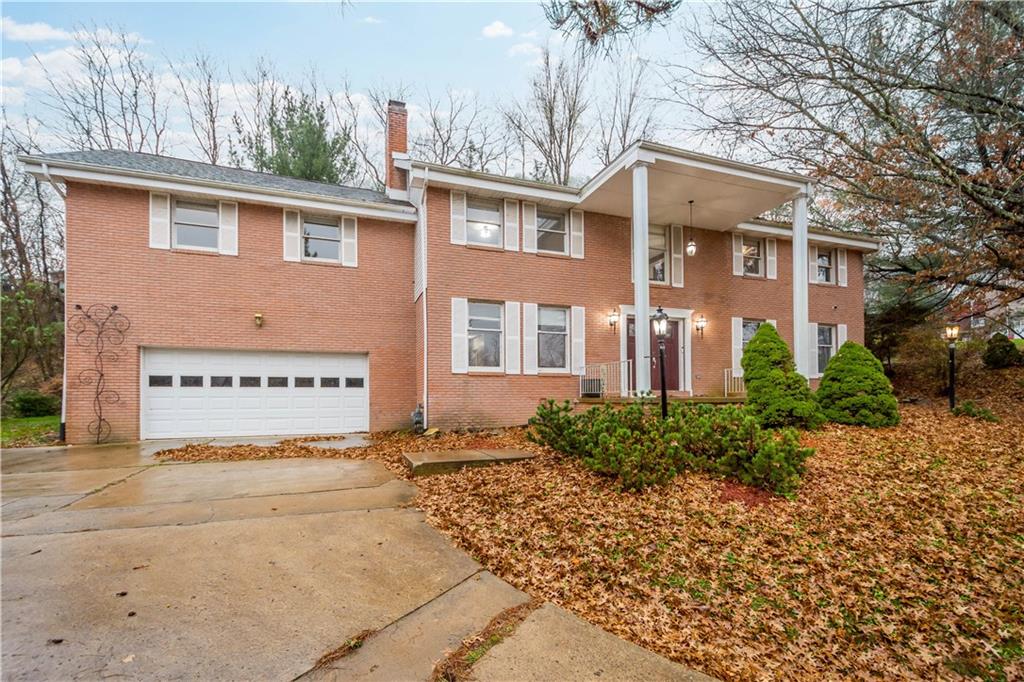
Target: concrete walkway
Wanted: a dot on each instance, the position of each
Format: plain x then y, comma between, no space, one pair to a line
115,565
447,461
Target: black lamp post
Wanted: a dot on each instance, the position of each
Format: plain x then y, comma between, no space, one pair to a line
951,334
661,330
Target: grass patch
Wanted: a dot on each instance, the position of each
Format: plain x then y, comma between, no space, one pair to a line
22,432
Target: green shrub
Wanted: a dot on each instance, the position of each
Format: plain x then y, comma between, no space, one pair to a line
776,394
854,389
1000,352
554,426
32,403
969,408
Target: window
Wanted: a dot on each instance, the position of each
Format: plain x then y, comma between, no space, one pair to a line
826,345
159,380
483,221
826,266
321,239
277,382
552,338
190,382
749,329
353,382
330,382
753,257
484,335
303,382
220,382
249,382
195,225
657,253
977,321
552,235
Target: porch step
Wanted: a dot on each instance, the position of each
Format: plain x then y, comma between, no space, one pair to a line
446,461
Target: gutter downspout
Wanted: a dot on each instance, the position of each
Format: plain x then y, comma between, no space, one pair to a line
63,431
426,308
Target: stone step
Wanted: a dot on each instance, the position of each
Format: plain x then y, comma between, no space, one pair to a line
446,461
409,648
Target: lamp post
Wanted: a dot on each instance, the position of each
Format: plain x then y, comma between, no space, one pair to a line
952,333
661,330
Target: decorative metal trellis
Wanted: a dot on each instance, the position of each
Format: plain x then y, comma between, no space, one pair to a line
101,329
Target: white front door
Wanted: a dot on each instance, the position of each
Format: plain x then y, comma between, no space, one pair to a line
193,393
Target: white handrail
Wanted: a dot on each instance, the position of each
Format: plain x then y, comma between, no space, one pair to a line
604,379
733,384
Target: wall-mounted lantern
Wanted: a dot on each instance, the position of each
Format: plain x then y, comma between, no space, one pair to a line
699,325
258,319
613,319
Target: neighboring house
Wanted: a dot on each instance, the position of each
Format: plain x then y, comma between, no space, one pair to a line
988,316
268,305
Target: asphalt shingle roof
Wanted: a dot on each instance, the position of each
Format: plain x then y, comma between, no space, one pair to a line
196,170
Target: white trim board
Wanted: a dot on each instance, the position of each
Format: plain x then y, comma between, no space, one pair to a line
812,237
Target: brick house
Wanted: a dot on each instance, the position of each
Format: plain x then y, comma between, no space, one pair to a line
268,305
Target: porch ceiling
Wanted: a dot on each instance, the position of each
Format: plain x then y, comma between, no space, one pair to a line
722,197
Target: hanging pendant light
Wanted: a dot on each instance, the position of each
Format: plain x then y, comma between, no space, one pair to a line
691,246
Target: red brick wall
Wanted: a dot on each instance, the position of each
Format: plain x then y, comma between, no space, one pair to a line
195,300
601,283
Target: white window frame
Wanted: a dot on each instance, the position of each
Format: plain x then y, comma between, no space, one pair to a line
832,348
760,257
501,336
499,225
977,321
541,212
667,253
831,268
567,334
322,222
174,225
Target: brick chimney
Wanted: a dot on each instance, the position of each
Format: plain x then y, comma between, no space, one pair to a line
397,141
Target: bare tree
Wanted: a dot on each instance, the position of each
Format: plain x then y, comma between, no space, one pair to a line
112,100
551,118
256,98
627,114
199,84
366,119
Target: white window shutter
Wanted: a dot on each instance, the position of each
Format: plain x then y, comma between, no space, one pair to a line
227,230
773,323
458,217
576,233
292,235
529,338
349,242
677,255
813,350
460,340
159,221
841,335
578,332
737,346
512,337
737,254
812,264
771,258
841,266
511,225
529,227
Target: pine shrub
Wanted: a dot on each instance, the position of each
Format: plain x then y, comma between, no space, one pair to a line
854,389
1000,352
31,403
777,395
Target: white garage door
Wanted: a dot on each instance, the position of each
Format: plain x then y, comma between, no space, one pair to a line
192,393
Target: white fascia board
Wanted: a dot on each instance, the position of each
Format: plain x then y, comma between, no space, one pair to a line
812,237
511,187
222,191
795,186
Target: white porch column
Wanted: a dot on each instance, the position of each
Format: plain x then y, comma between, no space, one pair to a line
641,285
801,322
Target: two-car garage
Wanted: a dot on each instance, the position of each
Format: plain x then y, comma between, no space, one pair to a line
193,393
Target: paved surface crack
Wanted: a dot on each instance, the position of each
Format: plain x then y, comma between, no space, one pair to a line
457,666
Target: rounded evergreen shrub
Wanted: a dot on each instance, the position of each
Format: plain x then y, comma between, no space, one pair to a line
31,403
776,393
1000,352
854,389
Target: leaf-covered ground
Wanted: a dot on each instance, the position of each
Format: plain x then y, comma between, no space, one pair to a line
901,556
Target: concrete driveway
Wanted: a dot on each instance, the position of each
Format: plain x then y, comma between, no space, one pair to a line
115,565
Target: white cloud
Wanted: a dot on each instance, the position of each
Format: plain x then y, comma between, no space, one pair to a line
530,35
530,50
497,29
371,20
30,33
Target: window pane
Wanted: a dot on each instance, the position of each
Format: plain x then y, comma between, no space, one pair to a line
159,380
320,230
196,214
824,274
353,382
277,382
190,381
551,222
752,247
749,329
825,258
485,316
551,319
657,248
551,350
330,382
824,354
484,349
483,233
824,335
220,382
303,382
551,241
483,211
751,266
321,248
199,237
250,382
